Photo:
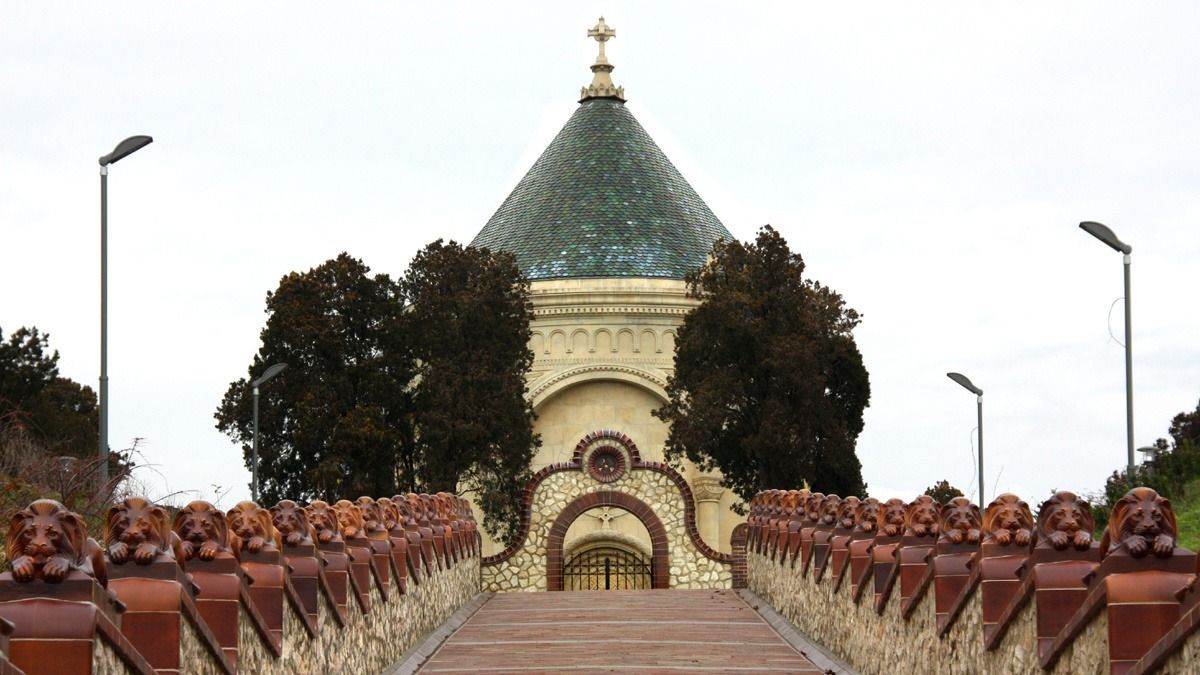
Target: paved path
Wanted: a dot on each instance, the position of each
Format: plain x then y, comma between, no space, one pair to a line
617,631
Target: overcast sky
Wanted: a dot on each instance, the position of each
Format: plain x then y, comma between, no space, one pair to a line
931,164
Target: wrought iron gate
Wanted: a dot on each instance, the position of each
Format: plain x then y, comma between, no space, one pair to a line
603,569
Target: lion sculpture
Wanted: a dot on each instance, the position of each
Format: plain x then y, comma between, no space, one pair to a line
291,522
46,541
324,522
1141,522
1065,521
827,511
1008,520
866,515
372,514
255,532
961,522
845,512
139,530
892,514
349,518
203,531
923,517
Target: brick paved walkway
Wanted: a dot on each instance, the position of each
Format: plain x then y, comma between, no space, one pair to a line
617,631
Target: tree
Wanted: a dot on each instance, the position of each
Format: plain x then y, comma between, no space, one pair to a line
1185,428
61,414
469,315
414,385
769,386
333,424
942,491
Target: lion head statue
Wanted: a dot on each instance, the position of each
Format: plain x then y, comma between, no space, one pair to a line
790,505
417,508
324,521
846,511
139,529
291,522
372,515
46,541
407,520
892,514
827,511
812,508
389,513
349,518
923,517
1141,522
254,528
866,515
1008,520
961,522
202,528
1065,520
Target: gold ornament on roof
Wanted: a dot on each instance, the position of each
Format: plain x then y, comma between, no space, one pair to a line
602,85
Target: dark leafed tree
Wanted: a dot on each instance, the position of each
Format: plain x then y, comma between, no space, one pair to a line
61,414
469,313
335,423
769,386
942,491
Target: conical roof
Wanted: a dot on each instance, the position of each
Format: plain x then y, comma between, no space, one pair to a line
603,201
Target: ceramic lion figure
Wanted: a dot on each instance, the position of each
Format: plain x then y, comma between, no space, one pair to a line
866,515
138,529
324,521
372,515
291,522
1141,522
827,511
1008,520
202,528
961,522
923,517
253,527
46,541
390,513
1066,520
892,514
349,518
846,511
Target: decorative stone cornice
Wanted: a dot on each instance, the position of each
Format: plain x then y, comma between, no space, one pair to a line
539,388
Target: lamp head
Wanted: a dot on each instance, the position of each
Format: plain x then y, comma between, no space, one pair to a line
965,383
269,373
1101,232
125,148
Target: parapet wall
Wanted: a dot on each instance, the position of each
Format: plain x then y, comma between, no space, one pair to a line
342,588
921,587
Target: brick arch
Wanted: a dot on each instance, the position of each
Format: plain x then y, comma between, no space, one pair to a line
660,576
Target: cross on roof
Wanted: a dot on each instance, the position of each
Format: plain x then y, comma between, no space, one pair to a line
602,33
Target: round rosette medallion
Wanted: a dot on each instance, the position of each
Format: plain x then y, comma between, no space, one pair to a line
606,464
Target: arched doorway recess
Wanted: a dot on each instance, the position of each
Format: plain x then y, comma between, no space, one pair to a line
659,557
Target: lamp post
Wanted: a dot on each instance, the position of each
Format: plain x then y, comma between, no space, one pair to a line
1110,239
267,375
966,384
124,148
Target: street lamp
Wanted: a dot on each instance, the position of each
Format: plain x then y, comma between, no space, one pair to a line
966,384
1108,237
267,375
124,148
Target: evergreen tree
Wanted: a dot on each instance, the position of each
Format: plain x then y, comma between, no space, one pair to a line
769,386
61,414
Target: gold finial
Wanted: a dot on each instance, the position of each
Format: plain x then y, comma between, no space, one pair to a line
602,85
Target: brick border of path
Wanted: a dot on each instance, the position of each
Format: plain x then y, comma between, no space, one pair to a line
814,652
412,660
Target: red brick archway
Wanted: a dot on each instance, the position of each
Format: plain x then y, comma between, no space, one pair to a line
659,568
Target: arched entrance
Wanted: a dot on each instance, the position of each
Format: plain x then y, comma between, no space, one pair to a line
555,563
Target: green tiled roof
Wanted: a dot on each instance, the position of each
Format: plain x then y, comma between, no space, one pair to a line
603,201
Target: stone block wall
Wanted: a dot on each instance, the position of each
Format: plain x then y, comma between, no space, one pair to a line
921,587
249,590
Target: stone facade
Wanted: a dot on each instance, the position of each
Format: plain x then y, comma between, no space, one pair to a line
888,643
603,349
688,566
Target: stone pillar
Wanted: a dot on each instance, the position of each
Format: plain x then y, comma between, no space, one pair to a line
708,491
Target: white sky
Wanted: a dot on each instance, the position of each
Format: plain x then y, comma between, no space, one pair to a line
930,163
